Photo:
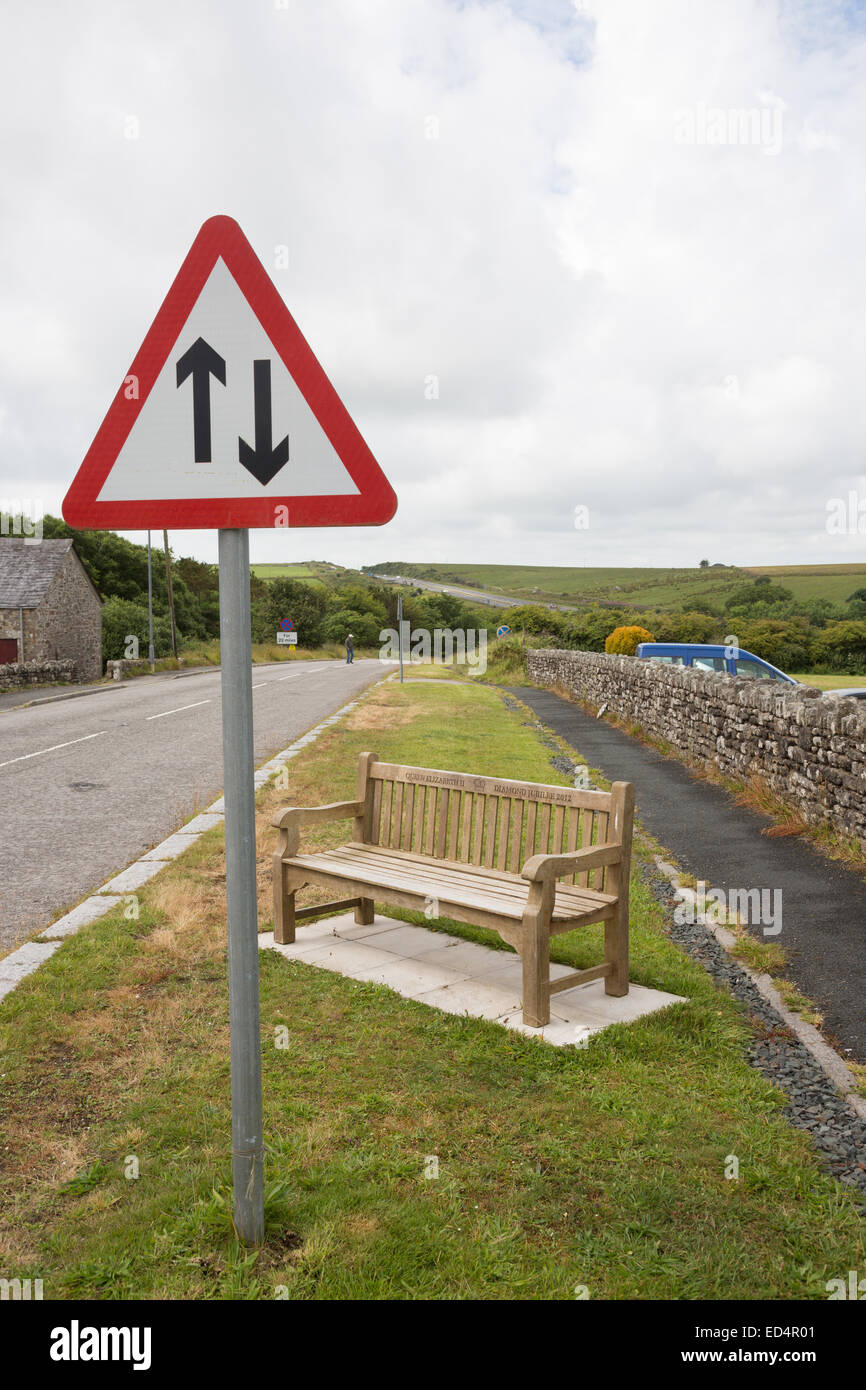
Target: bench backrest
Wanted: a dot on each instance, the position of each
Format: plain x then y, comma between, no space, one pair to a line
489,821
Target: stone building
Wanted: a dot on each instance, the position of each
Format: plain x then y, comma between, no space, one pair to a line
49,608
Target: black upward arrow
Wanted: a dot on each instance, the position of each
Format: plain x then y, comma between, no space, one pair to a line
266,459
201,362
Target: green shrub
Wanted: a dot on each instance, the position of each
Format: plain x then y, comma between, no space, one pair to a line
624,641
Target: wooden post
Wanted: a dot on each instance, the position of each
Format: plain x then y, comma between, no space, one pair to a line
535,953
616,928
363,824
284,903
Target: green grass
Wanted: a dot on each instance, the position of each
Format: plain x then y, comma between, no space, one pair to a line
601,1167
315,572
834,582
831,682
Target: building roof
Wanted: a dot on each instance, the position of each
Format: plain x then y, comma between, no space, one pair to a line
26,571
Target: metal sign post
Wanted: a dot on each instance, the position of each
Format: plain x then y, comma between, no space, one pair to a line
400,631
149,605
236,660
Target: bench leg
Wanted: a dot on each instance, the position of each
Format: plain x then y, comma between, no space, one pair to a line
365,912
616,949
284,906
535,953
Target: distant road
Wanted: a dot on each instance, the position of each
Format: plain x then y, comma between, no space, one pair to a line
471,595
89,784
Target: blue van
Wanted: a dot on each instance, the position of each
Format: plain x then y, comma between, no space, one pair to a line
704,657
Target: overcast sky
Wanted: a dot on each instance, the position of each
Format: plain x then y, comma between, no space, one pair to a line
625,239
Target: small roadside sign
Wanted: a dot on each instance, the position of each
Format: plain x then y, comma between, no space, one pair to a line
503,631
287,639
286,625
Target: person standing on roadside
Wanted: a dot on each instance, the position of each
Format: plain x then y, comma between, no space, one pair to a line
350,649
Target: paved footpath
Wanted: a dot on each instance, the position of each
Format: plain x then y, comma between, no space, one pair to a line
87,785
823,904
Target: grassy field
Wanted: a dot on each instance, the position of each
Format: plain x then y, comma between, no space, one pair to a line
664,588
558,1168
834,582
316,572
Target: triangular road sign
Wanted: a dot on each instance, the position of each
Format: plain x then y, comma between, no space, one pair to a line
226,418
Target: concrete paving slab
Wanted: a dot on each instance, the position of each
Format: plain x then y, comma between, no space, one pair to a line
206,821
134,877
461,977
588,1004
81,916
477,998
409,977
170,848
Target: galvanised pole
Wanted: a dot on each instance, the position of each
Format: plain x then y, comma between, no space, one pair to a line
241,912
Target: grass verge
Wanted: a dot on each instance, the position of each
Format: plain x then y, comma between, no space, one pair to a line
602,1167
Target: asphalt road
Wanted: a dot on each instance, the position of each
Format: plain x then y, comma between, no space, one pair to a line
823,904
89,784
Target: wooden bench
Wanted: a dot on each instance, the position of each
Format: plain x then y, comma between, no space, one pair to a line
526,859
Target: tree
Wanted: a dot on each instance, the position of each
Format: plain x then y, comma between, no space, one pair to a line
705,564
304,604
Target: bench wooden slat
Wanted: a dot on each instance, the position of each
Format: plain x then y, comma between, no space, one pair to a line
531,818
586,818
467,799
558,827
515,859
450,891
544,840
490,786
418,825
490,833
377,812
478,833
571,842
397,838
434,872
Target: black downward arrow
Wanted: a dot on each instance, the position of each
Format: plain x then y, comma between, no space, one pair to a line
265,460
201,362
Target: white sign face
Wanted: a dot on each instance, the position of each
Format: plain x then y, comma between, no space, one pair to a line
158,459
287,639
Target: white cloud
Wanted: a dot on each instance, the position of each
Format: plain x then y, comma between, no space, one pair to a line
669,333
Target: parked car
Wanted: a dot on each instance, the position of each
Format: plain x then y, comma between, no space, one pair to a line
703,656
846,692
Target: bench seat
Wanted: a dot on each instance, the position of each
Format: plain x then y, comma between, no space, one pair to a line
450,883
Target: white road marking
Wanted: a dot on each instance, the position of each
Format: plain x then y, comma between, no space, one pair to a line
260,684
53,749
176,711
292,677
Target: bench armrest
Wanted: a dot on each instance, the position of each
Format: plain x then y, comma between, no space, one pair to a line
307,815
549,866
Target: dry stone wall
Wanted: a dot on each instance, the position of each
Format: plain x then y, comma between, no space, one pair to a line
809,750
20,673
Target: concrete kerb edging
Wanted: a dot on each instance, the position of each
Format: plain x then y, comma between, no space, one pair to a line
28,957
827,1057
